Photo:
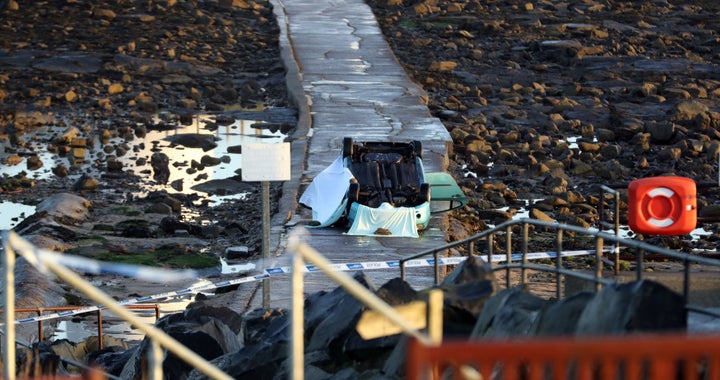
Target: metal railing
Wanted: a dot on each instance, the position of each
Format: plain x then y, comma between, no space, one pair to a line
639,356
13,244
303,252
595,243
41,310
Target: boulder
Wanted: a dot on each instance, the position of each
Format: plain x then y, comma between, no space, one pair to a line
510,313
261,361
210,332
160,163
640,306
394,292
561,317
263,325
329,326
465,291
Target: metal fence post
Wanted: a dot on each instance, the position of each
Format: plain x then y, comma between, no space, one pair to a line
155,360
266,239
151,332
297,342
9,307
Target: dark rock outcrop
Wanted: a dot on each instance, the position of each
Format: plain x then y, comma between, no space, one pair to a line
641,306
209,332
257,345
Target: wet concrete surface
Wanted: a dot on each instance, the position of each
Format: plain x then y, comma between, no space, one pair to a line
346,82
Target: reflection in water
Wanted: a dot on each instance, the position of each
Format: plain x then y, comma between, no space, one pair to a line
13,213
135,153
184,160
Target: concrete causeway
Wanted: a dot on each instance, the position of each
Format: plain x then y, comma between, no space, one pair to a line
345,82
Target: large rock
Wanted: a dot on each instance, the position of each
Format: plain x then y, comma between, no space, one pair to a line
511,312
560,318
465,291
210,332
266,325
33,289
327,331
260,361
640,306
60,208
160,163
394,292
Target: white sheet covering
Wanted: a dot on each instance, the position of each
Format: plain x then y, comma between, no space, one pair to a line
326,192
400,221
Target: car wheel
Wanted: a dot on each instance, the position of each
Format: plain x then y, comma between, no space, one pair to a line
424,195
347,147
353,195
417,148
354,192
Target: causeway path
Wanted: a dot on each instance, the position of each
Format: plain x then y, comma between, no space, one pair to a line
345,81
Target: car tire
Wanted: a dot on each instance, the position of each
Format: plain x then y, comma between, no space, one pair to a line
353,192
417,148
424,194
347,147
353,195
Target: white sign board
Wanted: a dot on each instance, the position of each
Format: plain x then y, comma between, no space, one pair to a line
266,162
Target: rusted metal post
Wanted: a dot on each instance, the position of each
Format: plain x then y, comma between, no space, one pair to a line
508,255
617,226
686,280
40,325
100,329
558,263
598,262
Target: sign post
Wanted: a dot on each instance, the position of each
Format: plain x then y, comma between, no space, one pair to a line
265,163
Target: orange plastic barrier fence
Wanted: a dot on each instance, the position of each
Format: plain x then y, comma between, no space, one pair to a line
639,357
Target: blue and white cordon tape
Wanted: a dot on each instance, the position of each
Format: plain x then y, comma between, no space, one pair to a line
36,256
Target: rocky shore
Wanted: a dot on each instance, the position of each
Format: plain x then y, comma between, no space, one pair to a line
86,82
546,100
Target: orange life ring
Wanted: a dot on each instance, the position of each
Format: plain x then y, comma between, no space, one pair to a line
662,205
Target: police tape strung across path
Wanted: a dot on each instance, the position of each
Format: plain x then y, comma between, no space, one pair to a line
35,256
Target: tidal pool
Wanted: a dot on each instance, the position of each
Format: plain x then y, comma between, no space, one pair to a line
135,155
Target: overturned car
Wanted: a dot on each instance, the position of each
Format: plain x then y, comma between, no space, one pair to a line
380,188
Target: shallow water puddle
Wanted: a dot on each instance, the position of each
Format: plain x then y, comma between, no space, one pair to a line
13,213
135,155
